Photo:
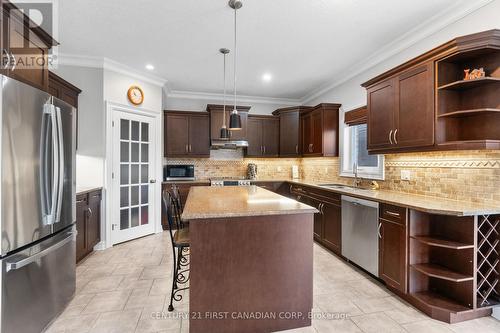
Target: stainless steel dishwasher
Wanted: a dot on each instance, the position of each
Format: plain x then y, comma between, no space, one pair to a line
360,232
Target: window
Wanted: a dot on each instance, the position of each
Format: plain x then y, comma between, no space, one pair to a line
353,152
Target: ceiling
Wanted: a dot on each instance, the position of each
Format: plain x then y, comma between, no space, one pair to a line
304,44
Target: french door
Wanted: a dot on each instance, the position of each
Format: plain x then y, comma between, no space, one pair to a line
134,160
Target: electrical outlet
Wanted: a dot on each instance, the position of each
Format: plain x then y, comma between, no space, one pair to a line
405,175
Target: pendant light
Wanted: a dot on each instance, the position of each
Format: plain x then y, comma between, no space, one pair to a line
235,119
224,132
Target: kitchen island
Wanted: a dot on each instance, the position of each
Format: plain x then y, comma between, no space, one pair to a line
251,260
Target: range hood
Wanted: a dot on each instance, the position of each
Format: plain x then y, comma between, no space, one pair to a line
228,144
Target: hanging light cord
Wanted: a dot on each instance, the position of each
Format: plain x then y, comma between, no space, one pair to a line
224,113
235,58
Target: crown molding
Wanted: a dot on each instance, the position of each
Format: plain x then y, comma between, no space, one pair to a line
240,98
111,65
427,28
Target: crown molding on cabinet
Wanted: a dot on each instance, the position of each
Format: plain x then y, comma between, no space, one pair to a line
241,98
108,64
427,28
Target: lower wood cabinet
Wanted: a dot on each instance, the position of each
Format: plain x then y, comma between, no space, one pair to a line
183,192
88,222
393,236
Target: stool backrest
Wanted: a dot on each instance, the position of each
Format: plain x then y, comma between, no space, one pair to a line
172,212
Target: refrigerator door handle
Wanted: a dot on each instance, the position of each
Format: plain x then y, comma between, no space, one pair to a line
50,110
44,167
60,156
10,266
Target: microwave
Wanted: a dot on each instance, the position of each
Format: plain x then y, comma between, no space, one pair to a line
178,172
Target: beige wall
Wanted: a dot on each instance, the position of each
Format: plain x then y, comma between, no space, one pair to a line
464,175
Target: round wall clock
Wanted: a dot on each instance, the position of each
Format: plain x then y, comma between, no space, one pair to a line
135,95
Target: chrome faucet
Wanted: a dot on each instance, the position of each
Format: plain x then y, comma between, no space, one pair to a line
357,180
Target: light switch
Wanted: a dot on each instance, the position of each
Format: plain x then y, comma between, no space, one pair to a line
405,175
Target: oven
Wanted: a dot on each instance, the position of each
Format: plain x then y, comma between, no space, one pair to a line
178,172
230,182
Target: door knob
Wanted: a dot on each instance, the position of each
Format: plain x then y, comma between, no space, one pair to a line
152,181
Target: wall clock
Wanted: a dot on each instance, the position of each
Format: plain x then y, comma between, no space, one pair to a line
135,95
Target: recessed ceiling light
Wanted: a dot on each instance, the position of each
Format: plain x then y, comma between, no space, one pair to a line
267,77
150,67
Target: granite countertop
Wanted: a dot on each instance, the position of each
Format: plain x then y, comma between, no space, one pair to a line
87,189
239,201
429,204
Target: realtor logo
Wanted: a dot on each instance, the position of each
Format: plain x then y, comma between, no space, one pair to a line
31,41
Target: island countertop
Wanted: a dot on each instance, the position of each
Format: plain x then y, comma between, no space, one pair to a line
206,202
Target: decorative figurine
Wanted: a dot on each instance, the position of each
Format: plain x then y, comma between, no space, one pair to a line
475,74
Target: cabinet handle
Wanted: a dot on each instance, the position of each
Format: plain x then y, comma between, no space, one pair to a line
378,230
187,148
390,137
14,61
89,212
190,148
299,197
296,149
388,212
321,205
395,136
264,150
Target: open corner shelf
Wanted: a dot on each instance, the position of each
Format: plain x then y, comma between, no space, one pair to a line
439,242
469,84
438,301
468,113
440,272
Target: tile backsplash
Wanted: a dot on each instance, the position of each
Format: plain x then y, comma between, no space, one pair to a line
461,175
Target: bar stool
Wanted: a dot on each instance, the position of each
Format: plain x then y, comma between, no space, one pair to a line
179,236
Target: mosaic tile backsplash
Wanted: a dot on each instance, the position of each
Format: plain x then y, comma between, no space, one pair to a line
460,175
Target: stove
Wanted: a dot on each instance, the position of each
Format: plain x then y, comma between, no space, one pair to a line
230,182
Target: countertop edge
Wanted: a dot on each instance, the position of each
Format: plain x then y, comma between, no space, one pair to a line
85,190
208,216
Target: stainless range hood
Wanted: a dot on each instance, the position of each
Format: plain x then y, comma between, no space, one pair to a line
229,144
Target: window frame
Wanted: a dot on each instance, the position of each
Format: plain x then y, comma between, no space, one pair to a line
376,173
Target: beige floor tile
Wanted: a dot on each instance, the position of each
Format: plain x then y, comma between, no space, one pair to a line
335,326
117,322
157,320
141,301
78,324
107,301
481,325
336,304
371,305
128,269
403,313
308,329
428,326
108,283
81,299
161,287
156,272
376,323
129,283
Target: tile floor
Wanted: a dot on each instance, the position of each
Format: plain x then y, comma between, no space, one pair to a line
126,289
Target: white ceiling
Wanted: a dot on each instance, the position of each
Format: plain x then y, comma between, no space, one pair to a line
303,43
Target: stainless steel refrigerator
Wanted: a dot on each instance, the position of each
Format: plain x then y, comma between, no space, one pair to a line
37,207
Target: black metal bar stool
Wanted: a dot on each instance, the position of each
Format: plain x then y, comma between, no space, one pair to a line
179,235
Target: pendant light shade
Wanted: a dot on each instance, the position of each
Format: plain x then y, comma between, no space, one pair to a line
224,132
235,119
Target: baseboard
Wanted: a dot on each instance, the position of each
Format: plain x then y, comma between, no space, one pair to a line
100,246
496,312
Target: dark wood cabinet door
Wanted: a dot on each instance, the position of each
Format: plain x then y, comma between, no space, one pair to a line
290,134
332,224
176,135
81,221
307,139
318,219
381,110
392,254
216,120
414,118
270,136
199,136
93,220
27,49
317,131
254,137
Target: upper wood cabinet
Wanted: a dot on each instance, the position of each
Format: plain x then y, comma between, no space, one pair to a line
320,130
25,48
263,136
187,134
401,110
216,118
427,104
290,133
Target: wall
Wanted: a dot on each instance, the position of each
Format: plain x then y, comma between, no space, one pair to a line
91,127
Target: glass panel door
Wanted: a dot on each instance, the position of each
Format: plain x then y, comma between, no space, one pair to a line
133,173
